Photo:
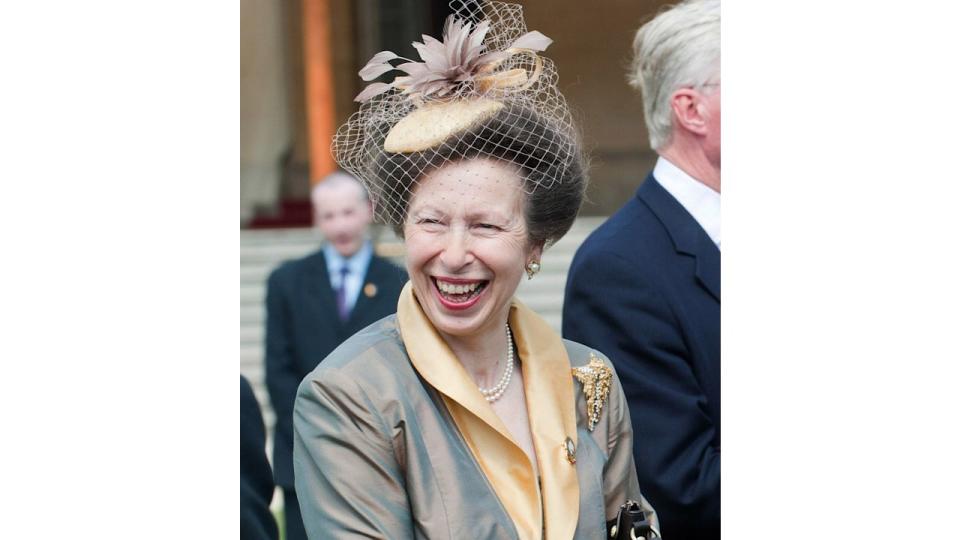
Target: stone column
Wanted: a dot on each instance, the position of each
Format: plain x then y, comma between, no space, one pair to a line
264,119
319,86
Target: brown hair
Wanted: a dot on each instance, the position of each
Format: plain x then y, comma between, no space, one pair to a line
551,164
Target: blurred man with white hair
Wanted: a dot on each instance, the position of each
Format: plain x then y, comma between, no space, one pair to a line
644,288
317,302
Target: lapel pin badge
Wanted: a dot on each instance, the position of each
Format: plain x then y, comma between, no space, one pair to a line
370,290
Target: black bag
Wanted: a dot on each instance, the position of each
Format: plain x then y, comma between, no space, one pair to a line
631,523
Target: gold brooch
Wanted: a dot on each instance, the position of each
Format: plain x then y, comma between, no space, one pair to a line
595,378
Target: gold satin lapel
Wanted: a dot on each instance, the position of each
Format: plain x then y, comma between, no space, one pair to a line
436,363
504,463
507,468
551,407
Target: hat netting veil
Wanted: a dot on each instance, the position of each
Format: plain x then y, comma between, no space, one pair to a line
481,92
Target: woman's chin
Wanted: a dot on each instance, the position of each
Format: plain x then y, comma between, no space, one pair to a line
457,330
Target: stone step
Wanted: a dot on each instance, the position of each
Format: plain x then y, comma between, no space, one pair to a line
251,358
252,335
254,314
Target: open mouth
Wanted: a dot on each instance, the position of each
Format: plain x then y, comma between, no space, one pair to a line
459,293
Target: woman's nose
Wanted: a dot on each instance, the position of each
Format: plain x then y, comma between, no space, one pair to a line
456,251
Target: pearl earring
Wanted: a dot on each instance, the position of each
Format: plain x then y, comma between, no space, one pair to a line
533,267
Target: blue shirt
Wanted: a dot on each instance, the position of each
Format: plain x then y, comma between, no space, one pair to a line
357,264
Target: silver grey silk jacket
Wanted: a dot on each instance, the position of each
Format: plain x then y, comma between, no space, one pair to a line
378,455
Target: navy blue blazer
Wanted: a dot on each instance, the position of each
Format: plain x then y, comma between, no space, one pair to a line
303,327
644,289
256,480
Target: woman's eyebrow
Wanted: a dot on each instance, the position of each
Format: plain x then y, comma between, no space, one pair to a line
427,209
490,218
489,214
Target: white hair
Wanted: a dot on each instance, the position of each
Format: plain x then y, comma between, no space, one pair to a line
678,48
337,179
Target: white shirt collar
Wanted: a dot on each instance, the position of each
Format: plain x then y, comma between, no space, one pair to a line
696,198
357,263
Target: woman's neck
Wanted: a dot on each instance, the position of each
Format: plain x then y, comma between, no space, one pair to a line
482,354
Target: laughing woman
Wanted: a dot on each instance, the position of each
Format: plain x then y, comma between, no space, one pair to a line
465,415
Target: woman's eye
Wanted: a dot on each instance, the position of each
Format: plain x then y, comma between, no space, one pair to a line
430,224
488,226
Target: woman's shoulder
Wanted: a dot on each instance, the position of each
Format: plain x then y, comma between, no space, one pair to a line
580,355
374,351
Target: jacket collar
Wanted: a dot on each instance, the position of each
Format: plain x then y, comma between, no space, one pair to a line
369,290
686,234
550,406
317,286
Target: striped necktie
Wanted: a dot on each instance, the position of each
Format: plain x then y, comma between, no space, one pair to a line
342,309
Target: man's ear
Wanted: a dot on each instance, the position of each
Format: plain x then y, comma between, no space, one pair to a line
689,110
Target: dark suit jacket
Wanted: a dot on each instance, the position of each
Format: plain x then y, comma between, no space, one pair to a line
256,480
644,289
303,328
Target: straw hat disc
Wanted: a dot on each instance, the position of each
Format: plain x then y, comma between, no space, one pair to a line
435,122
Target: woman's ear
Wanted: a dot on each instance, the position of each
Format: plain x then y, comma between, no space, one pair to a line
536,252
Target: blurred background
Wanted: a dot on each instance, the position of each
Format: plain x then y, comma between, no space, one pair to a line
298,75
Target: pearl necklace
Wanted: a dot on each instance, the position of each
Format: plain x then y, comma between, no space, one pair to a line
495,392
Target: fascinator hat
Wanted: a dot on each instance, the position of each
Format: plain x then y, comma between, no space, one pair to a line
482,91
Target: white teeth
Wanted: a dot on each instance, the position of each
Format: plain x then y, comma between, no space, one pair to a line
451,288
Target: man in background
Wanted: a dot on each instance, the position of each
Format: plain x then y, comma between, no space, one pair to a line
317,302
644,288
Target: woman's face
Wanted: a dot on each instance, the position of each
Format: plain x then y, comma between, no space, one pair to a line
467,246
